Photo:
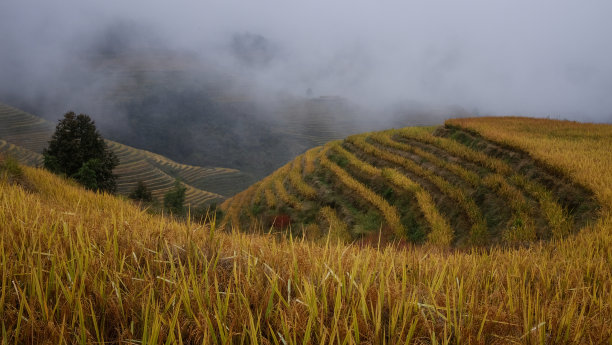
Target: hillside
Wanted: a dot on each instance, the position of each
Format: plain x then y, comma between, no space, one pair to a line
25,136
80,267
196,114
202,119
444,185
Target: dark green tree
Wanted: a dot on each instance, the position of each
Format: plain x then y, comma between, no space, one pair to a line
141,193
175,198
77,150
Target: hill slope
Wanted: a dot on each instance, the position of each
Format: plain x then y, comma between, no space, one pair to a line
80,267
445,185
25,136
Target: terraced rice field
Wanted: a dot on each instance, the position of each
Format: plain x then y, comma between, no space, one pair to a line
88,268
442,185
24,136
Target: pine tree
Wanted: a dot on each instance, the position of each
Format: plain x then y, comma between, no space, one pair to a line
77,150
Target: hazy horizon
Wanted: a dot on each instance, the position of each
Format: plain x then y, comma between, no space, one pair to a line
544,59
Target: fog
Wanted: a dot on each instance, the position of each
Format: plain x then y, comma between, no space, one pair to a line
530,58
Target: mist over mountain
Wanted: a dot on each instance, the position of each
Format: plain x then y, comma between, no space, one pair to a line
203,81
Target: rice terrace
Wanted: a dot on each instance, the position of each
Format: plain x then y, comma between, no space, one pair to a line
538,270
305,172
24,136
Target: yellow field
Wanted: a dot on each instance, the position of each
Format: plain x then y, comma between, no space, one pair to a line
442,185
79,267
583,151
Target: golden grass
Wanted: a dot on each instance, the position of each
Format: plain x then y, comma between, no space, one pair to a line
338,230
79,267
310,158
581,150
478,231
389,212
270,198
285,197
557,217
441,233
470,177
295,177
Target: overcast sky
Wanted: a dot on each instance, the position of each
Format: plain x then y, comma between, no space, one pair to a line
519,57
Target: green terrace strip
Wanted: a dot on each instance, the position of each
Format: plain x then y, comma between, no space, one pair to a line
389,212
261,186
270,198
285,197
557,218
356,162
441,232
455,148
295,177
478,231
384,138
521,228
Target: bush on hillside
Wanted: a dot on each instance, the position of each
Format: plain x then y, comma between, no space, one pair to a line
141,193
175,198
10,165
77,150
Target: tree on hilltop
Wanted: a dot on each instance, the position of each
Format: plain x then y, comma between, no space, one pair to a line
78,151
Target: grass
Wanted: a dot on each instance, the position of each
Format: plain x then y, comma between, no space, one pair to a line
441,232
388,211
447,185
478,231
295,177
557,218
577,149
79,267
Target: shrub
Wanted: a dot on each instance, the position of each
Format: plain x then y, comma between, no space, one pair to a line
175,198
141,193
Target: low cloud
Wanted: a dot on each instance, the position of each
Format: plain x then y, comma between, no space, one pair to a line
545,58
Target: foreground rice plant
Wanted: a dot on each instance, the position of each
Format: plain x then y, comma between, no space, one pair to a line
84,268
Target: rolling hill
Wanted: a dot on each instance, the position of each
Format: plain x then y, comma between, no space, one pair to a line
24,136
81,267
445,185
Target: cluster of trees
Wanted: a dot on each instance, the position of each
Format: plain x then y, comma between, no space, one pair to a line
174,199
77,150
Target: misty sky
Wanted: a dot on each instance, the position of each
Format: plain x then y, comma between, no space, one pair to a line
532,58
